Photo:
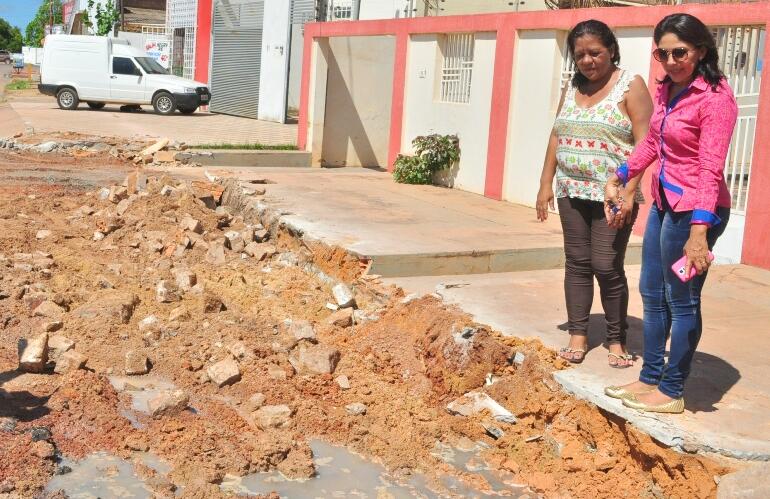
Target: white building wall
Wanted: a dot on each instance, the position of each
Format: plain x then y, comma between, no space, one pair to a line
535,95
383,9
534,98
424,114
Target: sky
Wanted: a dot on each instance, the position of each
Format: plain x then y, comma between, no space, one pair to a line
19,12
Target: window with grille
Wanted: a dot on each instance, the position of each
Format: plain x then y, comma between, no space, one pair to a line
456,68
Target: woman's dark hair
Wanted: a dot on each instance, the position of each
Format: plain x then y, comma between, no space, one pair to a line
690,29
600,31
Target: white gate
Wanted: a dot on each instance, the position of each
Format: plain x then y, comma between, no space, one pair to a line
274,73
741,50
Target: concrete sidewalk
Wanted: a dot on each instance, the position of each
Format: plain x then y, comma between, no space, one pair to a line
43,115
413,230
728,395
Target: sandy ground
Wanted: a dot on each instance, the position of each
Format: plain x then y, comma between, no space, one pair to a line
404,359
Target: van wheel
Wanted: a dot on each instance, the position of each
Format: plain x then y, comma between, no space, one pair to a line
95,105
187,110
67,98
164,103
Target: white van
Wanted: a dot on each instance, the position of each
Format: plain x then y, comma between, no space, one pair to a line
98,70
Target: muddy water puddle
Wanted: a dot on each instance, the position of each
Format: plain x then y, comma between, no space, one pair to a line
341,473
102,475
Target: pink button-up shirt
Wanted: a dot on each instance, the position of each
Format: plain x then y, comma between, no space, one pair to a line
690,138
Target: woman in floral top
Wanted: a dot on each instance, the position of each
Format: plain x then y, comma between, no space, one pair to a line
601,115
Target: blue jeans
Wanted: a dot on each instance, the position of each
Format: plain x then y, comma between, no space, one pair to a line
670,306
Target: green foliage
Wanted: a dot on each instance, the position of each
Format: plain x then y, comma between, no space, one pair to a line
105,17
10,37
35,31
18,85
411,170
433,153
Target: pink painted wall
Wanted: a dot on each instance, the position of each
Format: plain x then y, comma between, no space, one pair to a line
203,41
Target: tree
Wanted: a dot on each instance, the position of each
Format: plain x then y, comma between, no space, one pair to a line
104,17
10,37
35,31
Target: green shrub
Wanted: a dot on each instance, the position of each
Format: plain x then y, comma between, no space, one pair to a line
18,85
433,153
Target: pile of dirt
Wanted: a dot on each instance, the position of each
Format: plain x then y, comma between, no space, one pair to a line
267,359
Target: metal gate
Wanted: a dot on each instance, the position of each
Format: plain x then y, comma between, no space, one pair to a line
741,50
236,56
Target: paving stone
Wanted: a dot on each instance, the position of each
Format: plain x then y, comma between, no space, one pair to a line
224,372
273,416
168,403
33,354
136,363
70,361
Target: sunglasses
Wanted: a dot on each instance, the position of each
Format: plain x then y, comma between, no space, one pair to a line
679,54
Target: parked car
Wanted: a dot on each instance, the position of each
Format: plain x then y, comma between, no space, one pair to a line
100,70
5,56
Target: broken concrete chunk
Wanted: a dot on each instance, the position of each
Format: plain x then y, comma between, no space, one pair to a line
185,279
216,253
166,292
157,146
356,409
48,309
117,194
164,157
475,402
302,330
179,314
343,382
341,318
261,235
273,416
212,304
191,224
255,402
109,304
234,241
58,345
315,359
43,233
122,206
343,296
136,363
168,403
238,350
149,323
247,235
224,372
33,354
52,326
167,190
70,361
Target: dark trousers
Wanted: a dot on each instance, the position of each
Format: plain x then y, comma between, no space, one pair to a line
671,307
594,249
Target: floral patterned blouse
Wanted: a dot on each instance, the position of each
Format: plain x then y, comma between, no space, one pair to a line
593,143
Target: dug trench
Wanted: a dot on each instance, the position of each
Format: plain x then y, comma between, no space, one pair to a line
249,340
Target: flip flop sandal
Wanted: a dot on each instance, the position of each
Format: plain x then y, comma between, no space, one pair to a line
626,357
572,359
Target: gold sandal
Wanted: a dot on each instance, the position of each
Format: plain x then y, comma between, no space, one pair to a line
619,392
675,406
625,357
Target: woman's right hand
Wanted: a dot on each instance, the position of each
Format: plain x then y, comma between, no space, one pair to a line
544,201
611,197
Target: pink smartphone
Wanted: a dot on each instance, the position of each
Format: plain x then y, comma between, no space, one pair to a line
679,268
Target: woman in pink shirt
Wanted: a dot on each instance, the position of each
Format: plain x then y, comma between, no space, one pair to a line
689,136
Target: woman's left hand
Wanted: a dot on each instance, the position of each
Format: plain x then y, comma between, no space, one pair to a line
697,250
624,215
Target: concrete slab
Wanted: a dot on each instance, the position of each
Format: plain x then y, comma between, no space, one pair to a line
251,158
412,230
728,393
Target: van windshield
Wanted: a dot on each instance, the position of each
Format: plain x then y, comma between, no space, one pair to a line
151,66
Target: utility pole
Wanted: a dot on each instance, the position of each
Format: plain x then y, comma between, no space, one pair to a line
50,28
